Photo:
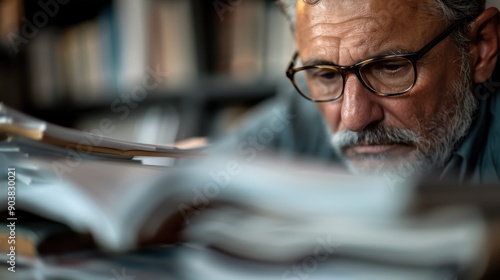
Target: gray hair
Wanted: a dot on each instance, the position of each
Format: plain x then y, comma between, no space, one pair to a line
450,10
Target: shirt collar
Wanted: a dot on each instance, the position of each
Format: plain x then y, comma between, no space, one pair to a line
467,154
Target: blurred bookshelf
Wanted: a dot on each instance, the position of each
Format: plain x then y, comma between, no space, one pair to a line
79,57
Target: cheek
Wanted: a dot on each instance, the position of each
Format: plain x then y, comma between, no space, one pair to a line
432,94
405,112
417,109
434,87
331,114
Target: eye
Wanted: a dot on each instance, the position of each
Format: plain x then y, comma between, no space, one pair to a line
324,75
390,67
328,75
393,67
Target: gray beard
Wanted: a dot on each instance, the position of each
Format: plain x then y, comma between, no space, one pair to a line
443,135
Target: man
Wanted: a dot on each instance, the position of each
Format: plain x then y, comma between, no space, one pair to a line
402,88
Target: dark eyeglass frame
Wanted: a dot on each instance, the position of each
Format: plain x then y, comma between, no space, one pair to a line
356,68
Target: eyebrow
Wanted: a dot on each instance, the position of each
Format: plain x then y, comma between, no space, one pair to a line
394,51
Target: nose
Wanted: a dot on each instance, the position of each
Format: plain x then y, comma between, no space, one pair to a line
359,106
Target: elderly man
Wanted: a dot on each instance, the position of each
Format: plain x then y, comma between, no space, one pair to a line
402,88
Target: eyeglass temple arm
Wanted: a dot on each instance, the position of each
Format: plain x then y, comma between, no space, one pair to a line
292,62
440,38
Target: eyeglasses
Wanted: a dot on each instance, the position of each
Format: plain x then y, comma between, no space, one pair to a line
389,75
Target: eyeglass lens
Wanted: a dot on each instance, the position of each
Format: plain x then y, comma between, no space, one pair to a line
387,76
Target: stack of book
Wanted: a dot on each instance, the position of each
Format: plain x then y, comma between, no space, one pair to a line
62,182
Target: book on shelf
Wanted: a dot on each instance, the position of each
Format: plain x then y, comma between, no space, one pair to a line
10,15
247,40
280,44
77,63
132,35
172,42
42,54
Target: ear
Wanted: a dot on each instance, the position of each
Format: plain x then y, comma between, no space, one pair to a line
484,31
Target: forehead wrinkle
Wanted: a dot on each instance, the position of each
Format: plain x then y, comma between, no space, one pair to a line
349,50
325,41
349,33
356,25
342,36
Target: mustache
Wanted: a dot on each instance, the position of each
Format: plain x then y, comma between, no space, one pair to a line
375,136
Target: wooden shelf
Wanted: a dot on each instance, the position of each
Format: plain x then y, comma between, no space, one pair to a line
208,95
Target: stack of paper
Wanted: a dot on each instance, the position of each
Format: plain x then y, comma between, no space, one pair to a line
16,124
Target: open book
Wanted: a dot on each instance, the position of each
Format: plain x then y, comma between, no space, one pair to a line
265,211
